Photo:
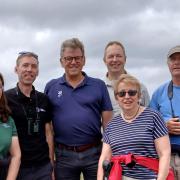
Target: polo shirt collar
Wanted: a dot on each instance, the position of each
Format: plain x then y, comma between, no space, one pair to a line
110,83
21,95
85,81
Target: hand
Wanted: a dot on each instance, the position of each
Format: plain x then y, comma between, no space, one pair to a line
173,126
53,176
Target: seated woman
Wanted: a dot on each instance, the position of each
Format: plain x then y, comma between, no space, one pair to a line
9,143
136,141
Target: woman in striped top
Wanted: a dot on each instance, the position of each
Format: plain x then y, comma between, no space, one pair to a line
137,130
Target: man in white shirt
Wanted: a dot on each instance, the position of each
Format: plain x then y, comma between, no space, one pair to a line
115,59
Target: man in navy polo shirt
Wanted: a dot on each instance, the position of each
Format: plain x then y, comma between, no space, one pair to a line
79,105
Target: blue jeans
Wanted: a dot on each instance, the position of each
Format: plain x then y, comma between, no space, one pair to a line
70,164
43,172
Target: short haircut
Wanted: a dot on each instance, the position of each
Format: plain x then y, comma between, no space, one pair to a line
73,43
128,79
26,54
112,43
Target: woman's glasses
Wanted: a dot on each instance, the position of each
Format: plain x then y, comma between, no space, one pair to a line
123,93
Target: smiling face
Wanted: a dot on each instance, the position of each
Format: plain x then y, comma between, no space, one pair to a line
27,70
114,58
130,100
174,65
73,61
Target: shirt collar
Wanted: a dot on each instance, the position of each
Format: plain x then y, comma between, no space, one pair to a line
21,95
110,83
85,81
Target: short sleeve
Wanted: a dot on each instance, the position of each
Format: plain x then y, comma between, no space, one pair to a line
160,128
14,130
106,136
48,111
106,102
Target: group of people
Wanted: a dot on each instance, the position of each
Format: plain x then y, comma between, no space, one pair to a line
58,134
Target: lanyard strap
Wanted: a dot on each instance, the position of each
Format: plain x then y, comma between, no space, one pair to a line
23,107
170,96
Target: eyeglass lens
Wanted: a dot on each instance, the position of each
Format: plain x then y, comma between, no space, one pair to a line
130,93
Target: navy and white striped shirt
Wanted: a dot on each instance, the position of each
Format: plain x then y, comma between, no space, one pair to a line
137,138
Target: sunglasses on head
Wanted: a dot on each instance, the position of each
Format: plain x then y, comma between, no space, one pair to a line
123,93
23,53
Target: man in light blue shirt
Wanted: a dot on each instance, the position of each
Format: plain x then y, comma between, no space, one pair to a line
166,99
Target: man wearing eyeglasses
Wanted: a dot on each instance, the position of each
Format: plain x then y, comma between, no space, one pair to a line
31,113
166,99
79,102
115,60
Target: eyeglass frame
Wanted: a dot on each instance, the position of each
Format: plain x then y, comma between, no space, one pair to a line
130,92
77,59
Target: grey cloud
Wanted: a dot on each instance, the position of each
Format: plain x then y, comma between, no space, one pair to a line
66,13
147,29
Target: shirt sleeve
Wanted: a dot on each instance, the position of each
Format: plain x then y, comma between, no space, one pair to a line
160,128
106,102
14,130
145,99
154,101
106,136
48,111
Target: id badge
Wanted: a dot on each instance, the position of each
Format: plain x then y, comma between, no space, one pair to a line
36,127
30,126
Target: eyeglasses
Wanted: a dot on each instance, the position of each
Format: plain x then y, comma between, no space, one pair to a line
24,53
123,93
69,59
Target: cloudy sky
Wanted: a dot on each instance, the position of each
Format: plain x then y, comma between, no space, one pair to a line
147,28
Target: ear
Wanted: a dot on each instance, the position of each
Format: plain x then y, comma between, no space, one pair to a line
37,73
61,63
105,61
15,69
84,59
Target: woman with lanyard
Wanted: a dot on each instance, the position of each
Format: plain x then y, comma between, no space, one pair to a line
9,144
136,141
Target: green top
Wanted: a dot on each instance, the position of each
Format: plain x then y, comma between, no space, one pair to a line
7,130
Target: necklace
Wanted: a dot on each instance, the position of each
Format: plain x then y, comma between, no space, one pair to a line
132,117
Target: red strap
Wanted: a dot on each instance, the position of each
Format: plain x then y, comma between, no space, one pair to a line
116,171
151,163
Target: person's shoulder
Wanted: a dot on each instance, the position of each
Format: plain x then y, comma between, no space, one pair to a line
52,83
152,111
161,88
41,94
96,80
10,120
143,86
10,91
114,121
